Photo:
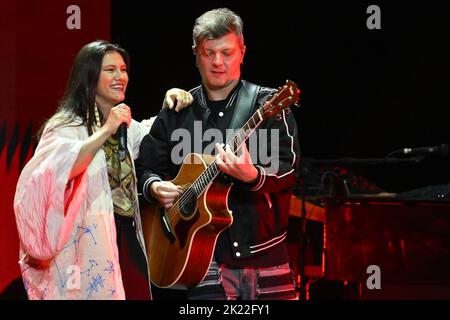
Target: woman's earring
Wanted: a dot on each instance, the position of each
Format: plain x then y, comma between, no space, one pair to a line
97,115
97,123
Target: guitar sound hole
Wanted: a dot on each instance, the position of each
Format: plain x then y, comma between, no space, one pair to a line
189,203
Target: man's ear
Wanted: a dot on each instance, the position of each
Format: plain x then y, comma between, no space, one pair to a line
194,51
243,54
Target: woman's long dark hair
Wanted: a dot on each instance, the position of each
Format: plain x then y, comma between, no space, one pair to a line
79,96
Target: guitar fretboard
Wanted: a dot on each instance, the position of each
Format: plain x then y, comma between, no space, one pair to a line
211,172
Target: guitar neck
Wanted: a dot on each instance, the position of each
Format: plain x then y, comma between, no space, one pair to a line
212,171
283,98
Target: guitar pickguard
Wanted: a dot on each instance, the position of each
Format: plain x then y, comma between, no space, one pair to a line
166,226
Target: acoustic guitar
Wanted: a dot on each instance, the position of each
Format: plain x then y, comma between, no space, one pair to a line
180,241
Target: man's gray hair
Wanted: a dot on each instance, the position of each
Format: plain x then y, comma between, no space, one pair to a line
216,23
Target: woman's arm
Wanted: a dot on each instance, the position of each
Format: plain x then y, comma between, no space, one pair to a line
116,117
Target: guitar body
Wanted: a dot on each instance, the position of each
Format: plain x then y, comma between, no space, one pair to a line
180,241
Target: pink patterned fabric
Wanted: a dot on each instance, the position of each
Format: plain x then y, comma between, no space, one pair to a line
66,228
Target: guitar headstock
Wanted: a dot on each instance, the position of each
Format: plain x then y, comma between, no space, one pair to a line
283,98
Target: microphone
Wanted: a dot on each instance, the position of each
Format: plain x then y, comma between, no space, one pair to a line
442,150
122,136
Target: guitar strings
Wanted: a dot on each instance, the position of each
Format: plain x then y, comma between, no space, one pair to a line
185,197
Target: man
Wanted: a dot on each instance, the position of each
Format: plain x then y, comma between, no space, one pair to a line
250,259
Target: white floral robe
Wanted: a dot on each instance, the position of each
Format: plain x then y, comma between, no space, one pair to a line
66,228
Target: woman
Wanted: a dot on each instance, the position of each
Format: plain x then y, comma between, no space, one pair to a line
76,201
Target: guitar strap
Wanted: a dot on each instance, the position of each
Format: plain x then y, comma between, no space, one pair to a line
245,104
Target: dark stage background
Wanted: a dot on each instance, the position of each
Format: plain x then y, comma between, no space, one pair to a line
364,93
